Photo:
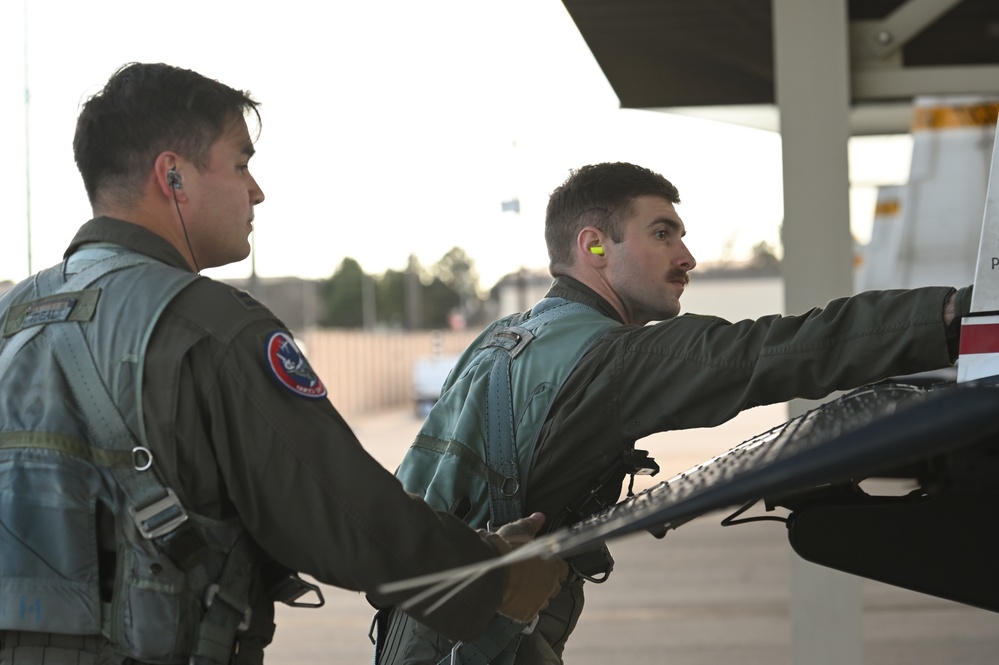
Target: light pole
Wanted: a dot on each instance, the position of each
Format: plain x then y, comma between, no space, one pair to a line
27,151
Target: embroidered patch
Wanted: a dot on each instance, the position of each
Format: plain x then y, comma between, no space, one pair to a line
290,368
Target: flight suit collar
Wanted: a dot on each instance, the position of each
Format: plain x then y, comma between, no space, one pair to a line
572,289
129,235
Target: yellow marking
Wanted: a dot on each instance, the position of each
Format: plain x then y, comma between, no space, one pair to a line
889,207
948,117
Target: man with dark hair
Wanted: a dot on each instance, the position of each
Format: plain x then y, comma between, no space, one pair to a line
597,196
168,459
542,411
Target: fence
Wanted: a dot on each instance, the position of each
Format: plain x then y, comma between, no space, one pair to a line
370,371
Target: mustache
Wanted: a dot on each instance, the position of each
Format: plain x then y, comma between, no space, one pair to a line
676,274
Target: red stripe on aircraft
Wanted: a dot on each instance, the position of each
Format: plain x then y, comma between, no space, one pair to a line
980,338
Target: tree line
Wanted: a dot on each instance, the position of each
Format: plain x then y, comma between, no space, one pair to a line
443,295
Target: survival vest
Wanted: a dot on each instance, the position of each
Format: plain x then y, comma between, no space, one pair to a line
478,441
73,444
473,454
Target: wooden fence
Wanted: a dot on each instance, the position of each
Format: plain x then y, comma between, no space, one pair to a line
371,371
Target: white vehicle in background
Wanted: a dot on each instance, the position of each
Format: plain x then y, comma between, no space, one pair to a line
429,374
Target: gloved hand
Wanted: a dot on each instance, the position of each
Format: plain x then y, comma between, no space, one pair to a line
529,584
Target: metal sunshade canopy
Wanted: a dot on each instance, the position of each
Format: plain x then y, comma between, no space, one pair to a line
670,54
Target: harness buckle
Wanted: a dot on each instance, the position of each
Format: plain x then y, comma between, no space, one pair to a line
159,517
594,566
638,463
512,339
212,593
289,588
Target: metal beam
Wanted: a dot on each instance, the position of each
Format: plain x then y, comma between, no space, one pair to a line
878,118
811,44
908,82
877,40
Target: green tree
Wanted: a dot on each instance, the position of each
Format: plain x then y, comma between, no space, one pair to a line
342,296
459,287
438,301
416,298
391,299
764,256
456,269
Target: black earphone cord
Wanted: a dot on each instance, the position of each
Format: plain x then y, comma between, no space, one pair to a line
176,204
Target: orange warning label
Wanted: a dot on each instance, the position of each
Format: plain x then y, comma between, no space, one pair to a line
886,208
944,117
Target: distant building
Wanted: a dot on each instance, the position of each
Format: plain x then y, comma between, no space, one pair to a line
518,291
744,270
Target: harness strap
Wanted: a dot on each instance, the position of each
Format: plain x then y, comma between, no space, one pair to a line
50,285
155,509
454,449
505,344
501,449
227,607
103,419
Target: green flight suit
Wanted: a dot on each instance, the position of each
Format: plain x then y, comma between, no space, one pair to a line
697,371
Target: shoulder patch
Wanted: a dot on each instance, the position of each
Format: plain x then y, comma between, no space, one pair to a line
289,366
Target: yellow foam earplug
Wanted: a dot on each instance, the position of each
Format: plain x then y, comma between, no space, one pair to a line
597,250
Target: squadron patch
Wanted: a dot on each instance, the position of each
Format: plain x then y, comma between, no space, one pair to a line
290,368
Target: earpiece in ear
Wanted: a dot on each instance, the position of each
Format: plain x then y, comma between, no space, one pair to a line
597,249
173,179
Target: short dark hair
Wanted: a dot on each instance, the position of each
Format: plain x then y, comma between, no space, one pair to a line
597,195
143,110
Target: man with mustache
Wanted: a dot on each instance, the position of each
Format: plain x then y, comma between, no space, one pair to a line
572,384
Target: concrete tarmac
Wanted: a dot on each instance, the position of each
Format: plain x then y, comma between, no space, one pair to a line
703,595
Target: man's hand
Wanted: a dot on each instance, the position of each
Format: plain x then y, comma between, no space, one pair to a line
529,584
948,313
522,531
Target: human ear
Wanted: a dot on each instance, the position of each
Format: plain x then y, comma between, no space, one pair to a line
590,243
168,172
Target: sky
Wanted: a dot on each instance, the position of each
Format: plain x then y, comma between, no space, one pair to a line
390,128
